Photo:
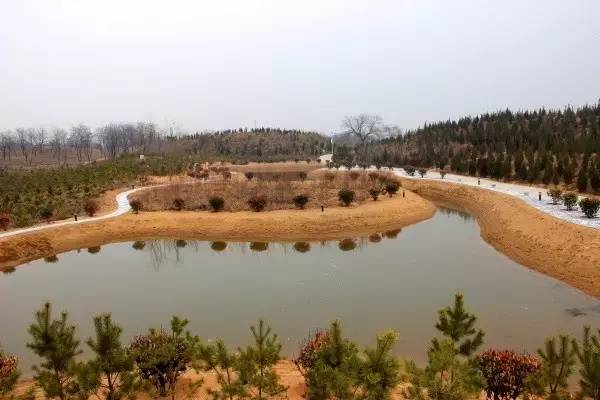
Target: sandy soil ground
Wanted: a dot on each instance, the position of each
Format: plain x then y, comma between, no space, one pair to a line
288,376
557,248
281,225
287,166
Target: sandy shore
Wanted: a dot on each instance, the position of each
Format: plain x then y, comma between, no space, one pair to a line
281,225
565,251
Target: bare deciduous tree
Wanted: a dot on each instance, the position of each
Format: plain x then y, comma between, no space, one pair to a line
364,127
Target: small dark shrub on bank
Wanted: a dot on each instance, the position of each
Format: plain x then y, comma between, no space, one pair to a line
374,193
136,206
216,203
555,194
178,204
391,187
569,200
257,203
589,206
46,212
300,200
4,221
346,196
249,175
410,170
422,172
90,207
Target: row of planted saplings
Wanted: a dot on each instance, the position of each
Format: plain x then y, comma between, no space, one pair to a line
258,203
588,205
331,365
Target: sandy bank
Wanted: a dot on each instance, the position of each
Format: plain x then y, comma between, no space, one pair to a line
532,238
281,225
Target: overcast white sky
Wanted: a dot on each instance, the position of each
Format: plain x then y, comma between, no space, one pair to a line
296,64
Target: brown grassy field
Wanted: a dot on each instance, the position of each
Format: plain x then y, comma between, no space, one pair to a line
279,188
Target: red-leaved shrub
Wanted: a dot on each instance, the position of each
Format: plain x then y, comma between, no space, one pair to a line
505,372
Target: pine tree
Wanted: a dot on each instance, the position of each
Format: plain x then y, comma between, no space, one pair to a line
334,372
112,371
225,365
588,354
557,366
379,370
257,362
55,342
458,325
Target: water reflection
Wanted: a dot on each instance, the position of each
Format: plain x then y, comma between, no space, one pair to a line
138,245
94,249
259,246
452,212
302,247
51,259
392,234
375,238
347,244
9,270
180,243
218,246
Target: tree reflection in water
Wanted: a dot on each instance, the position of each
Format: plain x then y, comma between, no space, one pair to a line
218,246
302,247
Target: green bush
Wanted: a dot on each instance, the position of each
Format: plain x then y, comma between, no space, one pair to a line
300,200
46,212
346,196
555,194
136,206
391,187
216,203
589,206
569,200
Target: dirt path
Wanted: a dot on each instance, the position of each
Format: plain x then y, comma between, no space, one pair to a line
281,225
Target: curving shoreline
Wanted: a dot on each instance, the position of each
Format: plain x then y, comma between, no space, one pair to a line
282,225
539,241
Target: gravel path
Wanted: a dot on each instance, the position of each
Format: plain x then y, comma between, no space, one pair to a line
528,194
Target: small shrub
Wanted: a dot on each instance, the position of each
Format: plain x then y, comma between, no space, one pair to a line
163,356
136,206
354,175
506,372
218,246
391,187
555,194
9,373
569,200
302,175
410,170
4,221
257,203
375,238
178,204
589,206
90,207
443,173
329,177
216,203
259,246
373,176
300,201
249,175
346,196
422,172
46,212
226,175
374,193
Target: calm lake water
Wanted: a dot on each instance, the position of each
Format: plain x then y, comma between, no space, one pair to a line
396,283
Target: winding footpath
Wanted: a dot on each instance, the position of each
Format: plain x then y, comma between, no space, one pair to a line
528,194
122,208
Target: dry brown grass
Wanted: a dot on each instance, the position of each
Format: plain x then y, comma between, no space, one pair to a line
322,190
